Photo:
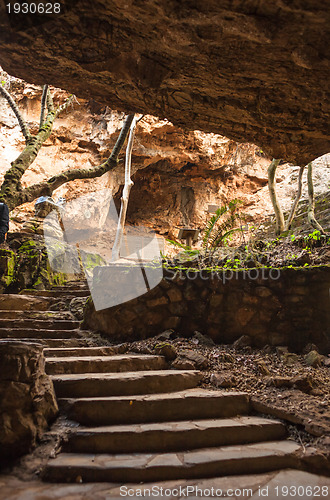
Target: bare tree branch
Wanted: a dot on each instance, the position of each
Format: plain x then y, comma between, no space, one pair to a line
46,188
121,139
10,191
20,119
43,105
65,105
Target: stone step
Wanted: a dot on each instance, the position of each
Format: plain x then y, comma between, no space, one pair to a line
83,351
127,383
65,343
38,333
181,405
46,324
174,436
40,315
11,301
104,364
202,463
51,343
74,286
58,293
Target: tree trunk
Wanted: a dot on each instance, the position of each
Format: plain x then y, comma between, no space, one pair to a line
296,201
10,191
125,196
43,105
311,201
273,196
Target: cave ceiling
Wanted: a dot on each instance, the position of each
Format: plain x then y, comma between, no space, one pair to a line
252,70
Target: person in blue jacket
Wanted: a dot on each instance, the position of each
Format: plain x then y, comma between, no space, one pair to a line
4,221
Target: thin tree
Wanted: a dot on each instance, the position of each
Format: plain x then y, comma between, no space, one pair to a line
126,192
311,201
12,191
282,224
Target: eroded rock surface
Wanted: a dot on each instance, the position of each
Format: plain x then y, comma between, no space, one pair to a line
253,71
27,398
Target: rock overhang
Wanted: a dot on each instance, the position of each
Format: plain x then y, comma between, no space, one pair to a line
254,71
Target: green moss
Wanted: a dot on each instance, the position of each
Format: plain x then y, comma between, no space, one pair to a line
50,278
92,260
28,247
7,264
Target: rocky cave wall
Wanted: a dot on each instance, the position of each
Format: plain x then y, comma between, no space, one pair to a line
27,398
177,174
253,70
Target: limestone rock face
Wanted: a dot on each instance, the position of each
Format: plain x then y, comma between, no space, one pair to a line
178,174
254,71
27,398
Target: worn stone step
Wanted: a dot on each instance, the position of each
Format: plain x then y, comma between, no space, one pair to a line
38,333
80,351
58,293
66,343
40,315
127,383
181,405
174,436
46,324
12,301
104,364
74,286
147,467
50,343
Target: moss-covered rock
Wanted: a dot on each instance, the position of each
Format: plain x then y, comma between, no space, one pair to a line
7,268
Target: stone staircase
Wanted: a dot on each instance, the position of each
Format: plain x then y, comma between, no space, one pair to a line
134,419
44,322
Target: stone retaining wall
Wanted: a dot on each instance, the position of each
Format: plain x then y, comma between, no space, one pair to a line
276,307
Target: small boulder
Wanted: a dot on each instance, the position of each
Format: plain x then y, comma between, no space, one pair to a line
199,360
314,359
183,364
203,339
289,358
166,350
166,335
278,381
243,341
310,347
280,350
303,383
223,379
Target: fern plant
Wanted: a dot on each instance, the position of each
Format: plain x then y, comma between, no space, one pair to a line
221,226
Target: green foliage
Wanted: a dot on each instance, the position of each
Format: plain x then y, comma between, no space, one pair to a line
187,250
316,238
220,228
